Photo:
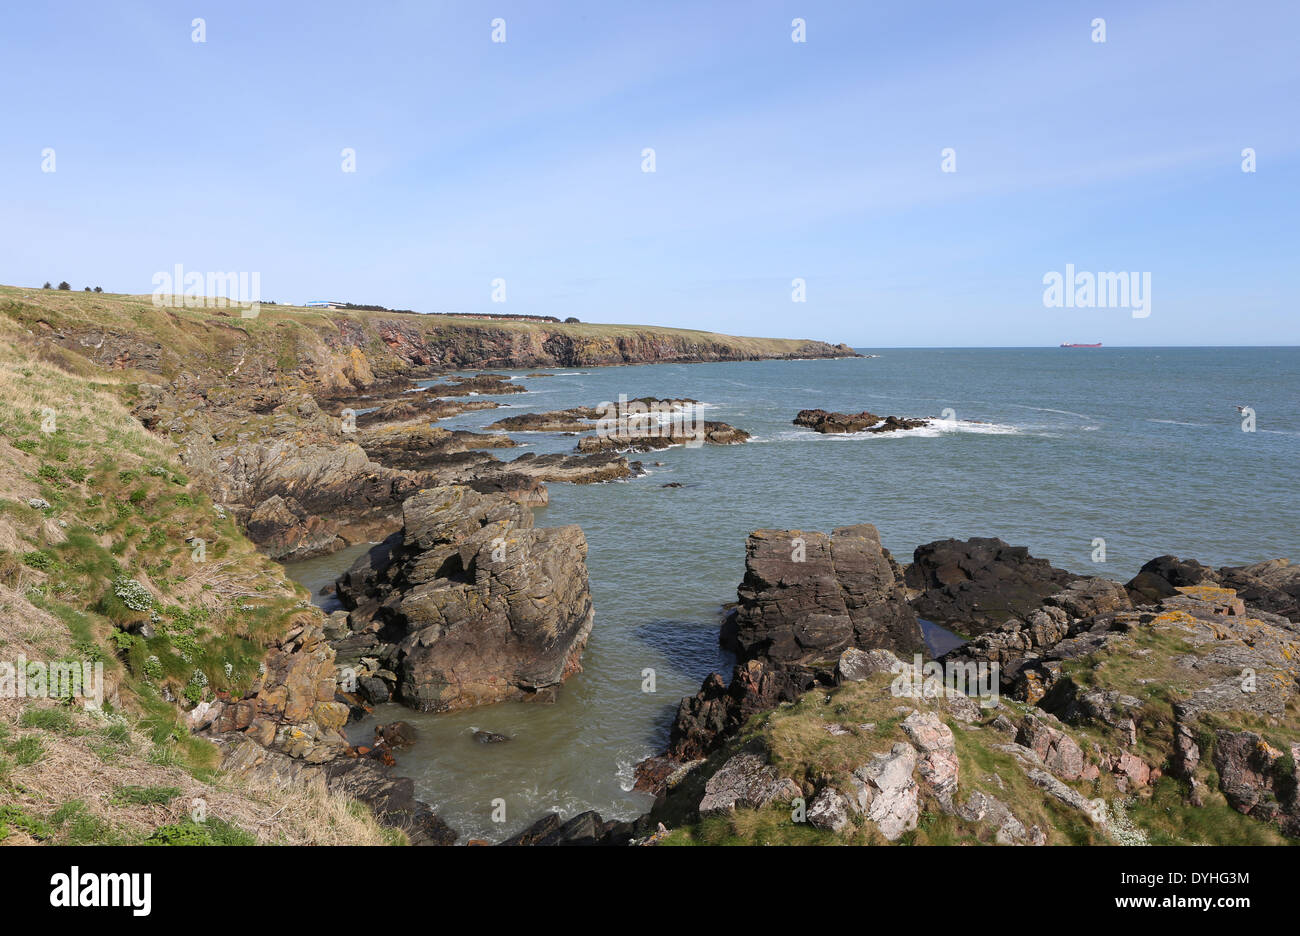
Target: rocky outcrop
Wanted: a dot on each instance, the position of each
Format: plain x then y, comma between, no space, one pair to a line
470,604
886,793
706,719
746,780
807,596
820,420
1272,586
586,828
661,437
976,585
1259,779
291,707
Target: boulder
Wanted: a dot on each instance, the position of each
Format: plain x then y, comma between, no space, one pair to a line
886,793
856,665
746,780
1161,577
829,810
706,719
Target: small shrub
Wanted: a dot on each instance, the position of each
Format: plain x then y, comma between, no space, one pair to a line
39,559
132,594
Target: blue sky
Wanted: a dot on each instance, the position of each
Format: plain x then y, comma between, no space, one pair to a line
774,160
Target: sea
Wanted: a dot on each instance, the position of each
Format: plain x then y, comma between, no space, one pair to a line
1095,459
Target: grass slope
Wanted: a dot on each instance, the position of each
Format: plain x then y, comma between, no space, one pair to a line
98,536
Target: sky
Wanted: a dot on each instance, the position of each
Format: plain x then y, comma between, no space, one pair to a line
488,169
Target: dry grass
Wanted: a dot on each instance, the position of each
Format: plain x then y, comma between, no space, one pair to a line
71,776
100,760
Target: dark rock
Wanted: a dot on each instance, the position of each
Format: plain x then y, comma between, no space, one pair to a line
975,585
391,798
373,689
706,719
1272,586
808,597
586,828
398,734
489,737
820,420
1163,576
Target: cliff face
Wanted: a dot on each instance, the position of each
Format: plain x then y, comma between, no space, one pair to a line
347,350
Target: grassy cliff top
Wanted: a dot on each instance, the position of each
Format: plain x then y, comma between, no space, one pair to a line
137,314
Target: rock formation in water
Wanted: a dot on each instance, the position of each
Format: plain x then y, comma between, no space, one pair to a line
807,596
819,420
974,585
469,604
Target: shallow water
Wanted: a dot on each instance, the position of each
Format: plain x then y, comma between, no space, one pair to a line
1047,448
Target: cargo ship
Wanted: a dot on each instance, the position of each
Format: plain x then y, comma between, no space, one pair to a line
1067,345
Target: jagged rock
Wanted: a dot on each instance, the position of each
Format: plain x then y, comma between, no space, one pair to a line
938,764
521,489
886,793
586,828
977,584
1059,752
1187,753
475,604
1130,771
489,737
989,810
1272,586
745,780
286,533
808,596
704,720
1095,810
1258,779
392,799
1086,597
829,810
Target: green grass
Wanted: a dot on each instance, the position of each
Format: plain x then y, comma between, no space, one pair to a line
213,831
146,795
